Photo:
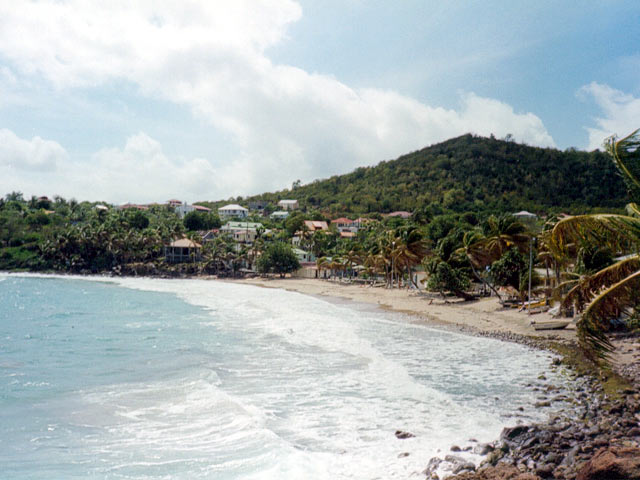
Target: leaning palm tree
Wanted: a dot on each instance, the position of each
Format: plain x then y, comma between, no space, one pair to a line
613,291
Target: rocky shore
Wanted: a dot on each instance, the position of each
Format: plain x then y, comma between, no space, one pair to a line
595,436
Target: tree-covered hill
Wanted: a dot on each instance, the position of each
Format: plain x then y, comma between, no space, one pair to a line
469,173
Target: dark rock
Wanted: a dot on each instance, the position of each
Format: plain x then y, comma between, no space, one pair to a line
545,403
403,454
483,449
403,435
545,470
614,463
455,448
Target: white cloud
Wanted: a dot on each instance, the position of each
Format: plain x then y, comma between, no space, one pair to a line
621,113
32,155
212,57
138,172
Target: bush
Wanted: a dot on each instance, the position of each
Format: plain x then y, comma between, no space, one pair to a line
278,257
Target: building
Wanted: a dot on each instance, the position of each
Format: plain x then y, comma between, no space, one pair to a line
130,206
233,210
174,202
258,205
288,204
401,214
242,232
344,225
304,257
183,250
315,225
524,215
279,215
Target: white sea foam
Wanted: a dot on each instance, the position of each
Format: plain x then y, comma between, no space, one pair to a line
289,386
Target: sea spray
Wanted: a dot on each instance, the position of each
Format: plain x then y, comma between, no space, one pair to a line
150,378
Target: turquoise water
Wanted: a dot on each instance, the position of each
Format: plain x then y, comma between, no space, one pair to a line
182,379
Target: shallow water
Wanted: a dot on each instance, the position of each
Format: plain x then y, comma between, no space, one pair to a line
184,379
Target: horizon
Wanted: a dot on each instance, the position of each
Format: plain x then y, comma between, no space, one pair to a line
212,100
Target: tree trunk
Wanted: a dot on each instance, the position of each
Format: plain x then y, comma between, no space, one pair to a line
484,282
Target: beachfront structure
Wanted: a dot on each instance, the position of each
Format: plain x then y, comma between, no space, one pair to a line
183,250
242,232
288,204
279,215
303,256
233,210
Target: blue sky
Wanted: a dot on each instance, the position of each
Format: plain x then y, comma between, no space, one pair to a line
199,100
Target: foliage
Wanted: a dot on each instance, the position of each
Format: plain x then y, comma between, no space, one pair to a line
611,292
508,269
442,277
278,257
468,174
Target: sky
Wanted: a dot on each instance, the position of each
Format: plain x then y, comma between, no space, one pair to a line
147,100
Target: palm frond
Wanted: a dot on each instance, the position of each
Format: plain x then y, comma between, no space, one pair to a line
626,155
633,210
595,320
611,230
589,286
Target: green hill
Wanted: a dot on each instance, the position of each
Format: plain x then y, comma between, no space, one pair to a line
469,173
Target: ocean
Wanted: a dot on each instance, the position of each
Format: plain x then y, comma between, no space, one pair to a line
197,379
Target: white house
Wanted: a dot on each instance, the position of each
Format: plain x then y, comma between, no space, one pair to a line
233,210
304,257
279,215
288,204
242,232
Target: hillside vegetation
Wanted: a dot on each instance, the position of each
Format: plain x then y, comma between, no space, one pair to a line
469,173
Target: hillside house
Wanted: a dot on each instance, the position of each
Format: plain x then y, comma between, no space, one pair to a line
288,204
279,215
233,210
242,232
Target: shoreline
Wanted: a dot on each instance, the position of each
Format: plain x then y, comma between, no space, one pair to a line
568,445
557,448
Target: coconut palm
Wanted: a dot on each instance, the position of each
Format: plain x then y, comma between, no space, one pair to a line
612,291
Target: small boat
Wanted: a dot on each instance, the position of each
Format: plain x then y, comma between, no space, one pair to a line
554,325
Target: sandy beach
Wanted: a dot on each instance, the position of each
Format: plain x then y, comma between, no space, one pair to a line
482,315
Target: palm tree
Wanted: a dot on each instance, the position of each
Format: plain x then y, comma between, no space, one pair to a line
612,291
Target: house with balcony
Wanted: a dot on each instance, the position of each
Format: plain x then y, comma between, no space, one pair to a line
233,210
182,250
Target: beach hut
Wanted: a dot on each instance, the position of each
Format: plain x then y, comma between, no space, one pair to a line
183,250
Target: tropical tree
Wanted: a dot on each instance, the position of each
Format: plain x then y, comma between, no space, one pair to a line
611,292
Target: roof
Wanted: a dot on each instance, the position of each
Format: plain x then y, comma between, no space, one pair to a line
232,206
288,201
342,220
241,226
201,208
314,225
524,213
400,213
185,242
299,251
347,234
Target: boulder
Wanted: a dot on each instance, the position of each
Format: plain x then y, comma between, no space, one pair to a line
402,435
613,463
501,472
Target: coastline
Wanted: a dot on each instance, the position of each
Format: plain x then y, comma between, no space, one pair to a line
558,448
572,442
